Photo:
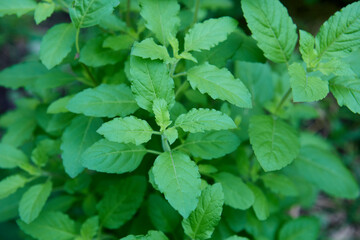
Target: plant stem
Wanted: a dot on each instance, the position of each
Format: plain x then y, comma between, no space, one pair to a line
153,152
77,40
87,70
197,6
128,9
173,68
283,100
179,74
182,87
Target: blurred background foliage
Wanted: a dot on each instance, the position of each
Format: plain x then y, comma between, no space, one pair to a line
20,39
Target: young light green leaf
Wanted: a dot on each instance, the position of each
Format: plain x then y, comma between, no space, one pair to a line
78,136
275,143
10,184
57,44
162,115
211,145
11,157
300,229
18,7
126,130
306,88
237,194
161,18
279,184
271,27
202,221
209,33
21,75
121,202
171,134
335,66
347,92
111,157
307,49
95,55
120,42
59,106
104,101
90,227
149,49
33,201
326,171
260,206
178,178
340,33
50,226
200,120
150,80
219,84
43,10
87,13
161,214
151,235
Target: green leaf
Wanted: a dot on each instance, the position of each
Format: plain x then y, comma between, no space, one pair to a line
236,238
326,171
202,221
121,202
275,143
120,42
94,54
104,101
306,88
150,80
50,226
340,33
335,66
219,84
300,229
161,214
307,44
261,206
149,49
279,184
126,130
43,10
90,227
11,157
21,75
110,157
57,44
178,178
237,194
209,33
257,78
200,120
162,115
10,184
18,7
54,78
347,92
77,137
151,235
271,27
87,13
161,18
33,201
20,131
211,145
171,135
59,106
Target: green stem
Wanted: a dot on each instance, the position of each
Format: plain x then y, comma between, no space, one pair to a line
128,9
283,100
182,87
77,40
153,152
173,68
197,6
87,70
179,74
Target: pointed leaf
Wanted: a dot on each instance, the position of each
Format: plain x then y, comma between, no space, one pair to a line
18,7
10,184
43,10
149,49
11,157
347,92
